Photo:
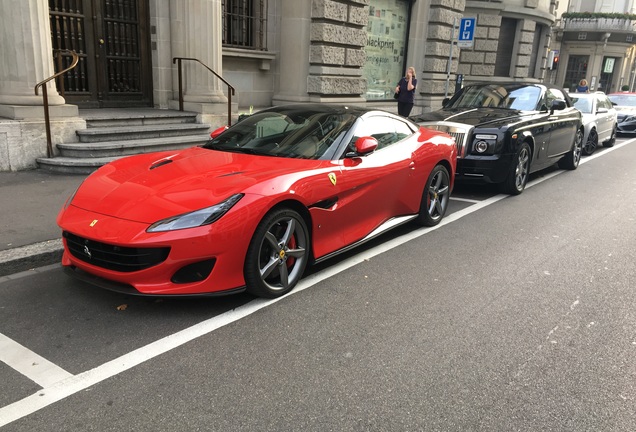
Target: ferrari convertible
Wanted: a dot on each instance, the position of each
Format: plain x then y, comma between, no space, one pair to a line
252,208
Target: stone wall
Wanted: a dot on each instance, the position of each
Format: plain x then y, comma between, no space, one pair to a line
336,52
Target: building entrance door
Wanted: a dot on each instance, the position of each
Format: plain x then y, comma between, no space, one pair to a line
112,40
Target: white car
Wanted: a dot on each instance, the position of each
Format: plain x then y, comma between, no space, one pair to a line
599,120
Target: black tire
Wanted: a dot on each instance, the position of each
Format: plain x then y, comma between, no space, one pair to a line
591,144
435,197
517,178
277,255
572,158
610,142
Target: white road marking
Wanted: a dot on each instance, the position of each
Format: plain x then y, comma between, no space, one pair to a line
75,383
452,198
29,364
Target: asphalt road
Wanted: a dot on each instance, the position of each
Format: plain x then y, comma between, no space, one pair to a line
516,314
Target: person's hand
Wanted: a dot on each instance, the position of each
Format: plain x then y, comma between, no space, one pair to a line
397,89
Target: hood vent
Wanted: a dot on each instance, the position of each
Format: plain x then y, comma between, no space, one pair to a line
160,163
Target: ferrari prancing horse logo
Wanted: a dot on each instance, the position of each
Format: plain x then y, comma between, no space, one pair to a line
332,177
93,223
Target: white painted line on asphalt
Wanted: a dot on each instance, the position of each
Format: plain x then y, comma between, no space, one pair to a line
76,383
35,367
464,200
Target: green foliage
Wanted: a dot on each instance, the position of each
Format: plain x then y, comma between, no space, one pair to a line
594,15
625,88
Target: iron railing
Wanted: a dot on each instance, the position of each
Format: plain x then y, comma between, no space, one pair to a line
45,97
230,89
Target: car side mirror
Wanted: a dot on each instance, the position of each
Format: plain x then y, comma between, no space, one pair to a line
445,102
364,145
216,132
602,111
557,105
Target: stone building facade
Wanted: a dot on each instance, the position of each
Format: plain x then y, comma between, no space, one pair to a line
271,51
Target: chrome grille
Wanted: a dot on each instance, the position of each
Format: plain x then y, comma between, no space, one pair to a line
460,132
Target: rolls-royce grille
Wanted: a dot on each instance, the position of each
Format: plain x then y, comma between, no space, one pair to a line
111,257
458,131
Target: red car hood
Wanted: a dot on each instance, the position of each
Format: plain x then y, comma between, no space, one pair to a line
150,187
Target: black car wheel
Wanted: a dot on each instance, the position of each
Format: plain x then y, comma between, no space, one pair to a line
519,171
572,158
435,197
610,142
277,255
591,143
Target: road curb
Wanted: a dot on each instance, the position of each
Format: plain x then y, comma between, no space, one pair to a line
31,256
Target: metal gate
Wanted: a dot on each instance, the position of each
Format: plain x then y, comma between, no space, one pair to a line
112,40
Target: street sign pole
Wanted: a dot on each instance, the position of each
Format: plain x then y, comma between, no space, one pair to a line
450,57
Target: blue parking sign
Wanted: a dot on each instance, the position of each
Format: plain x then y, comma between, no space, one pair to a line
466,32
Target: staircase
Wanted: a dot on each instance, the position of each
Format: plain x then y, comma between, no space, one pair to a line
113,133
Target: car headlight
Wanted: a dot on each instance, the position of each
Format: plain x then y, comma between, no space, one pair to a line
196,218
484,143
629,119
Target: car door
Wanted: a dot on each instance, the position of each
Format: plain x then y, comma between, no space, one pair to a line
375,187
563,124
605,114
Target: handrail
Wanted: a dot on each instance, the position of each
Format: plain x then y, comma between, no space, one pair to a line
45,97
230,89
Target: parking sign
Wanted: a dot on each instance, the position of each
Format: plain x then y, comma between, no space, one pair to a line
466,35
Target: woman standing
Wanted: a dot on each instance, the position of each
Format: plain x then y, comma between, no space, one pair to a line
406,92
582,87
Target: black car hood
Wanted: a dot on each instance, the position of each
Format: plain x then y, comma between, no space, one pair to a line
473,116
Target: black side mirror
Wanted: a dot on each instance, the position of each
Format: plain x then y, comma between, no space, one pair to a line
445,102
557,105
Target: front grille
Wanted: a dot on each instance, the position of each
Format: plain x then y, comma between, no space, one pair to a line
111,257
458,131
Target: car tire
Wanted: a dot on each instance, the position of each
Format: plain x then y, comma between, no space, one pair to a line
435,197
277,255
610,142
517,178
572,158
592,143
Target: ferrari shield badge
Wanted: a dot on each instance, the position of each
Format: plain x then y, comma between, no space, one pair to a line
92,224
332,177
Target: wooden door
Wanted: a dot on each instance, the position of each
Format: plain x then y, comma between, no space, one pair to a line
112,40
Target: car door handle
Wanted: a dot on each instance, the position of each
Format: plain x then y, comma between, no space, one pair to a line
412,165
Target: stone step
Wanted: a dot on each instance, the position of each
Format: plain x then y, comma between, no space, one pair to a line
129,147
102,134
67,165
96,118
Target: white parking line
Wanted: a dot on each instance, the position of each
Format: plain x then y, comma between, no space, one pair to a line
452,198
69,385
29,364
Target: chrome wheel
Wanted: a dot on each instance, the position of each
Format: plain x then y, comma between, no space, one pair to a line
522,168
436,196
277,255
591,143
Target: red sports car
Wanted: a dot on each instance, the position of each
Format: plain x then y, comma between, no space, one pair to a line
250,209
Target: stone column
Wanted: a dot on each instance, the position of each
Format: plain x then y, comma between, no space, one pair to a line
196,27
27,58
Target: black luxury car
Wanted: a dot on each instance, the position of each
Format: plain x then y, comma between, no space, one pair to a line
505,131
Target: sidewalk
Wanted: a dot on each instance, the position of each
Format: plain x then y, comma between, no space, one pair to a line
29,204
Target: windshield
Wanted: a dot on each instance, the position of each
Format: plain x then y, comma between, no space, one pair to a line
583,104
295,134
623,99
525,98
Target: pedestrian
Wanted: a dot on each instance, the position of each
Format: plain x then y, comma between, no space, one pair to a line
405,92
582,87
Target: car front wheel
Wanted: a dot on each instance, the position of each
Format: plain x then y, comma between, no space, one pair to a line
277,255
591,143
517,178
610,142
572,158
435,198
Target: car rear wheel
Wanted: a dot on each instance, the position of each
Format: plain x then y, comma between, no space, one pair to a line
572,158
277,255
519,171
435,198
610,142
591,143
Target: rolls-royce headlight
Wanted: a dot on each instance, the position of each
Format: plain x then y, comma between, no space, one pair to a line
484,143
196,218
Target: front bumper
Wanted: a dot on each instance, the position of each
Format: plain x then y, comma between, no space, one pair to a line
483,169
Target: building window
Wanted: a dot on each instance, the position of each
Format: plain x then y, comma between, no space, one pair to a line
386,47
582,36
245,24
629,38
575,71
506,46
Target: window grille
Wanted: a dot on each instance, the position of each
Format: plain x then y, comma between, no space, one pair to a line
245,24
